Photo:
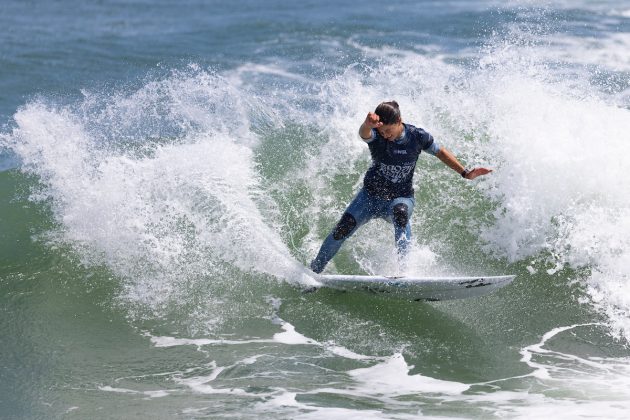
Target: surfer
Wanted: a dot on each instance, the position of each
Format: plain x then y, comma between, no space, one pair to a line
387,186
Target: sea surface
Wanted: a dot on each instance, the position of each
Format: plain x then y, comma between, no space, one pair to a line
168,169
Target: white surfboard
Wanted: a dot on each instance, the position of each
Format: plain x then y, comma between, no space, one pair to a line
418,288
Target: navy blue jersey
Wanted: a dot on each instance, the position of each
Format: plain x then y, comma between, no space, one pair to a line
394,162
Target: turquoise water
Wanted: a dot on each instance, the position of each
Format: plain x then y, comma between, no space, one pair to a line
166,171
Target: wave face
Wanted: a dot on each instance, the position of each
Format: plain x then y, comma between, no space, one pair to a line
159,185
197,173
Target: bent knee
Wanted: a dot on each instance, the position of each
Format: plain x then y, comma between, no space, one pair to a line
400,214
344,227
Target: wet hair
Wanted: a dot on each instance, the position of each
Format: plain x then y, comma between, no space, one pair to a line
388,112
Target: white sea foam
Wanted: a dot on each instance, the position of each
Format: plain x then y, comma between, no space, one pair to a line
161,212
202,384
601,386
148,394
556,380
289,336
556,145
606,52
165,341
561,186
391,377
205,384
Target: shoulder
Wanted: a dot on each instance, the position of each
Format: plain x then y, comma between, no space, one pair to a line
418,131
419,134
423,140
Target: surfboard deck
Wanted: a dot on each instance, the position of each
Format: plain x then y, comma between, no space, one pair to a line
418,288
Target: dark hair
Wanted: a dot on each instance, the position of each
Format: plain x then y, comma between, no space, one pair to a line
388,112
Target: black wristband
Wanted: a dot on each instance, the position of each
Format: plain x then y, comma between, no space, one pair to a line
464,173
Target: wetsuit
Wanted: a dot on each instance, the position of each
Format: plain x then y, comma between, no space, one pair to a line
387,191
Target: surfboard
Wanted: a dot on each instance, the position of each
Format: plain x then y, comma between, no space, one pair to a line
418,288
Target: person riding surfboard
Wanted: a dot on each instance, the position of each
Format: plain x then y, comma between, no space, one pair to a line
388,184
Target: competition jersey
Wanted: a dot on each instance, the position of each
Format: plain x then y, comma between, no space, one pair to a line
394,162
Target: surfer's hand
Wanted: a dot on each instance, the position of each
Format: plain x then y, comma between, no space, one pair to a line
372,121
474,173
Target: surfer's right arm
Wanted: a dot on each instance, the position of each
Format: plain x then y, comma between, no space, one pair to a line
371,121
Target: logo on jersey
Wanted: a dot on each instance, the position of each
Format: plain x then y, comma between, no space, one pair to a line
395,173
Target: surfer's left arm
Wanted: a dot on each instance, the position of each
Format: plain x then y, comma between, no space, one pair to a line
451,161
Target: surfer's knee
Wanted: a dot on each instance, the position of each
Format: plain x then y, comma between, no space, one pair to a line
344,227
400,214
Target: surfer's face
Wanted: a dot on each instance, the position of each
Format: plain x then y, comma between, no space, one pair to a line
391,131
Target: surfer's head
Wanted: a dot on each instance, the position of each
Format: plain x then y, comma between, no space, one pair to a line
389,114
